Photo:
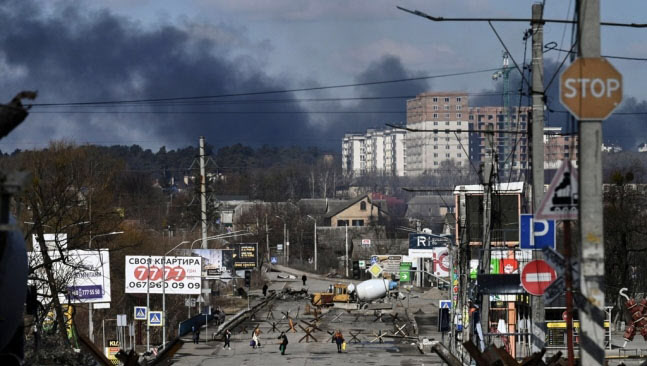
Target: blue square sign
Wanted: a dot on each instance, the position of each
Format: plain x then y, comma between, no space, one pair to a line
140,313
155,319
536,234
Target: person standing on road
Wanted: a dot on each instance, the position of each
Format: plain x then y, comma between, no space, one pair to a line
339,339
265,290
304,278
196,335
227,339
284,342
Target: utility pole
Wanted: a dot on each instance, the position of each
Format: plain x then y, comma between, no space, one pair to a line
346,257
537,144
590,210
464,269
203,216
489,172
267,240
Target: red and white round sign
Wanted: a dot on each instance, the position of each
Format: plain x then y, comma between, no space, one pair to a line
536,276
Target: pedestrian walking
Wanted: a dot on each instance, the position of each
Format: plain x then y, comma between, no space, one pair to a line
256,340
284,342
265,289
339,339
196,334
304,278
227,339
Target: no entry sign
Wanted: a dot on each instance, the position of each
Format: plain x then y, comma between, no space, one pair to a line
536,276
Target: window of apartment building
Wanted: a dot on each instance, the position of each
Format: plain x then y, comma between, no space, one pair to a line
458,155
446,123
447,147
435,123
446,115
489,117
362,206
446,99
434,99
435,115
435,155
459,122
358,222
435,138
471,117
458,107
435,107
435,163
458,115
435,147
446,138
566,147
446,107
342,222
566,138
459,99
447,155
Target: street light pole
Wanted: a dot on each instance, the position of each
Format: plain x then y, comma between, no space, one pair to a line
90,323
315,244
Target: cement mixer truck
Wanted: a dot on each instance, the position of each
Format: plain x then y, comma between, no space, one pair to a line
364,292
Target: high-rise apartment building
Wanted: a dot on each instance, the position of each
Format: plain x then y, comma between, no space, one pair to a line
377,151
511,145
558,147
444,147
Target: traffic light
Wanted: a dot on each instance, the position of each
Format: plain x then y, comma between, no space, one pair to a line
356,273
248,279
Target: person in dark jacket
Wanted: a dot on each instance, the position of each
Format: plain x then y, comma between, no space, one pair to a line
339,339
227,339
304,279
284,342
265,289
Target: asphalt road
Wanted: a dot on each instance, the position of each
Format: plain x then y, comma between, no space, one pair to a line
365,349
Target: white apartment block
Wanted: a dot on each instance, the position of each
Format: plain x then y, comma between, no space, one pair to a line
443,114
377,151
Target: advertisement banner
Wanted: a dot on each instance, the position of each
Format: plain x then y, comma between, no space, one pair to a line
441,262
84,273
216,263
246,256
422,245
183,275
52,241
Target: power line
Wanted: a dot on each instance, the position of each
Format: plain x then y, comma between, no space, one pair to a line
153,100
528,20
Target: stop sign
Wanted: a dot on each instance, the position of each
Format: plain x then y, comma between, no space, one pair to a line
536,276
591,88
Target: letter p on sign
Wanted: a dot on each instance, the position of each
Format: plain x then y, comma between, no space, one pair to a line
591,89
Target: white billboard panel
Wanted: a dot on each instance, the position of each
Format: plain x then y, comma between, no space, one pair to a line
183,275
83,277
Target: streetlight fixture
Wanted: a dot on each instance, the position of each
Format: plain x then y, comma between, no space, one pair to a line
315,220
90,324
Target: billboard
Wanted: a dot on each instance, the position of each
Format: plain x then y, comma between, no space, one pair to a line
84,275
216,263
389,263
144,274
52,241
246,256
422,245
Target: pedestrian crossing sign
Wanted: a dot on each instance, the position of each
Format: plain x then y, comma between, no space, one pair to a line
445,304
140,313
155,319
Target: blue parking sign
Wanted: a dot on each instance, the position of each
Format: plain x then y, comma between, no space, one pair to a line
536,234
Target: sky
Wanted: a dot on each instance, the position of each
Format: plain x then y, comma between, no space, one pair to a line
235,71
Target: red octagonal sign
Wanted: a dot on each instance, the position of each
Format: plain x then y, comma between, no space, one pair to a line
537,276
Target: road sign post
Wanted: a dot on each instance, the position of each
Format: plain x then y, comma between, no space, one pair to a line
140,313
590,88
536,234
536,276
